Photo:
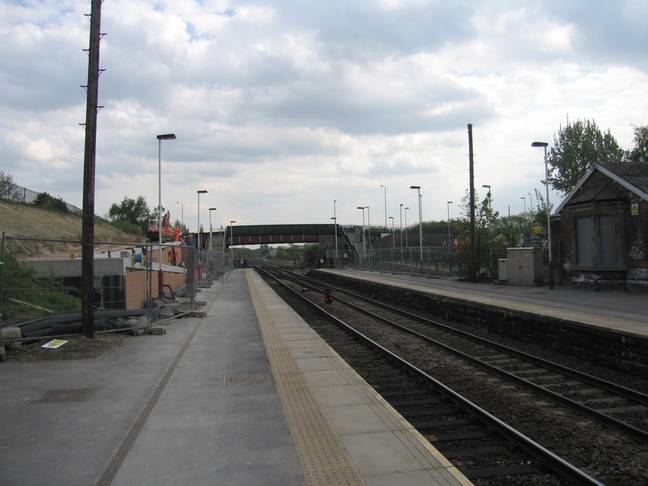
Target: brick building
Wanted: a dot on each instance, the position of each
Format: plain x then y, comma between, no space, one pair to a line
601,229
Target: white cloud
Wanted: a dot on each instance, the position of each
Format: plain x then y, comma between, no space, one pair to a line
280,107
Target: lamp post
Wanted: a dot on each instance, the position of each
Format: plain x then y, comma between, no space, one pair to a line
550,262
400,226
198,229
385,188
335,264
530,202
487,187
182,214
210,228
166,136
524,199
406,239
393,235
232,238
364,239
418,189
368,223
449,242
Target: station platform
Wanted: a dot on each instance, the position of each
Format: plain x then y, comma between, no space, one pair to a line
247,395
609,309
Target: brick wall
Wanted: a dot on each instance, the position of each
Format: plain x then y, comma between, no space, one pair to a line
136,286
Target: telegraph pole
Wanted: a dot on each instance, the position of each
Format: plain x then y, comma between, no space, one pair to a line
87,231
473,242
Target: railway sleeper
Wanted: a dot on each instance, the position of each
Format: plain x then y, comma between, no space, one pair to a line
475,451
500,471
609,402
464,435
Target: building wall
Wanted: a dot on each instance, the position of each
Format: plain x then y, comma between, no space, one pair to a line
632,238
136,286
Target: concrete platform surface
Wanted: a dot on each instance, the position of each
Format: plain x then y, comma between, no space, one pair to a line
247,395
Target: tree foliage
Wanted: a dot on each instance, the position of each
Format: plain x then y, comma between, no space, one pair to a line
490,242
576,148
44,200
130,214
9,190
640,152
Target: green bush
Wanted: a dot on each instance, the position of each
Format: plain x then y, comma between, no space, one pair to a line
25,295
46,201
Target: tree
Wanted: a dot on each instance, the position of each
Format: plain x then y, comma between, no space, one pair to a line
576,148
640,152
46,201
131,214
489,240
9,190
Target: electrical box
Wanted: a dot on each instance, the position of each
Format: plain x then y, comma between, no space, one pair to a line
524,266
502,269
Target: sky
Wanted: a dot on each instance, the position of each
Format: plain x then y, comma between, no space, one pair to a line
298,111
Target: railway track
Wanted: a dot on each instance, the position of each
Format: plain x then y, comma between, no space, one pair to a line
619,407
484,448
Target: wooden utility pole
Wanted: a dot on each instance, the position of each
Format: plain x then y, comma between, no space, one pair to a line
473,241
87,231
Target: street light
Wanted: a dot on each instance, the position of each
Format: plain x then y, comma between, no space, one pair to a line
449,242
385,188
524,199
393,236
166,136
232,237
550,269
418,188
368,223
530,202
198,229
335,233
182,214
400,227
406,239
210,229
489,189
364,239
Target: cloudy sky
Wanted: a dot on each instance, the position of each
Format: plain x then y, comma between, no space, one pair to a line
281,107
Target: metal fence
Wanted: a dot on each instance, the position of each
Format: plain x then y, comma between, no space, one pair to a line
433,261
41,279
20,194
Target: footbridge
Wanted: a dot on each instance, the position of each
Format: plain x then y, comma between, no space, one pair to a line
349,237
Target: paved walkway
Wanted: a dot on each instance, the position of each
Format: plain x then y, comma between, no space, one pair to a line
247,395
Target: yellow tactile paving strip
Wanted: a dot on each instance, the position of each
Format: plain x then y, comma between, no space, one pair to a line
323,458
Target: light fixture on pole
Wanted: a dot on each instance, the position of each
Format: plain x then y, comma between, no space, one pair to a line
489,189
182,214
418,189
364,238
335,256
406,239
449,242
210,228
550,262
198,229
524,199
530,202
393,235
385,188
166,136
232,236
368,223
400,224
